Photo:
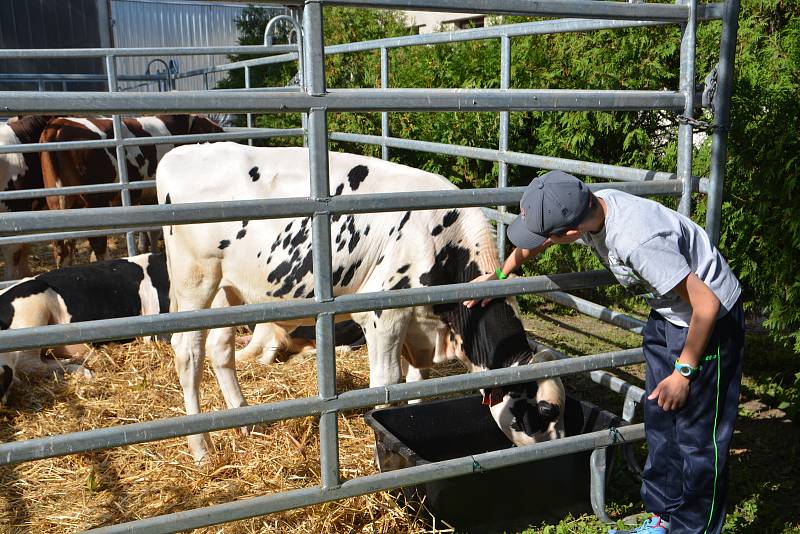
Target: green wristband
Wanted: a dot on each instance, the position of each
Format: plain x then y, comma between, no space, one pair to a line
500,274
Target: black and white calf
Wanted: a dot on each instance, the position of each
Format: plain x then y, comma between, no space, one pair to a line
103,290
229,263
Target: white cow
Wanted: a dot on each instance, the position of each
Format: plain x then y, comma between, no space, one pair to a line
230,263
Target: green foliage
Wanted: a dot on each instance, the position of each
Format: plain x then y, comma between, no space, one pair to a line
760,231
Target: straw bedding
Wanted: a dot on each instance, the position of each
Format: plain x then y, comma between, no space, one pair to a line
136,382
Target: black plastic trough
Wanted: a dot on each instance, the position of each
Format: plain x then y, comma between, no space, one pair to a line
491,500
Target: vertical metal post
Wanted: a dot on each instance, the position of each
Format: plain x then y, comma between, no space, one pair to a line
247,86
321,234
722,107
122,167
384,114
297,13
597,483
205,80
502,178
685,147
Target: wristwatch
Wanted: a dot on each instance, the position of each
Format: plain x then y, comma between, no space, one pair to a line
687,370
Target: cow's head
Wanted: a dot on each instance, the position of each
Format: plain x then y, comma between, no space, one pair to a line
493,337
533,412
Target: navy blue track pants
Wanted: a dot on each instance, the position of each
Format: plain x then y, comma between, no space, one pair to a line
685,478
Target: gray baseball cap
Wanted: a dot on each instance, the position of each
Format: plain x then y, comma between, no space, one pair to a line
552,204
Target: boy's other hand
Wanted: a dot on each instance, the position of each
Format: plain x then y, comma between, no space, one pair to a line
671,393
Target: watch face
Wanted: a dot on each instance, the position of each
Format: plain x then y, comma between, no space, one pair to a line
685,371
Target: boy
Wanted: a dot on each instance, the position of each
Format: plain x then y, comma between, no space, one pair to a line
693,342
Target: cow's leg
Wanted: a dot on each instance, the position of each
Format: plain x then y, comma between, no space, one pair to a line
15,258
62,253
220,344
99,247
201,285
385,336
189,354
266,344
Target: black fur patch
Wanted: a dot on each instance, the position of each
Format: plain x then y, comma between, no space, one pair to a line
357,175
403,283
224,244
241,233
348,276
437,230
168,200
404,268
339,190
450,218
254,174
159,277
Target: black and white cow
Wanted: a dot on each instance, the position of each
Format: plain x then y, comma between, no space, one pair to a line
229,263
20,171
103,290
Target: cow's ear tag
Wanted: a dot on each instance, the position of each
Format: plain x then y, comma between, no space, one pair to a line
492,397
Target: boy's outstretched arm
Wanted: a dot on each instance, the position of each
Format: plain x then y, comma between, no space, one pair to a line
512,263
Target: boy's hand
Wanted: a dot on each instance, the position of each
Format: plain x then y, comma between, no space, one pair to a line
481,278
671,392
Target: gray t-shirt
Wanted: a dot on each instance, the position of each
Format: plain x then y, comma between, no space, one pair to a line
650,248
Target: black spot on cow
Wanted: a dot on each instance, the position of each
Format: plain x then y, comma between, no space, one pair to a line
299,291
244,223
391,230
279,272
288,226
437,230
310,294
342,243
286,241
337,275
354,241
348,276
403,283
380,259
339,190
259,254
403,222
296,274
254,175
224,244
450,218
269,259
241,233
366,230
159,277
357,175
140,160
404,268
168,200
378,313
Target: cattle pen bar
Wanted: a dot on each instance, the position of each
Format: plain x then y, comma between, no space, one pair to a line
316,100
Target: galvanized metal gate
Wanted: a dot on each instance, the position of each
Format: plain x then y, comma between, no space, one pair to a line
315,100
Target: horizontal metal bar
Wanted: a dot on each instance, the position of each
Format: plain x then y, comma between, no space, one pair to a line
228,134
599,170
59,236
278,208
130,327
173,427
93,103
597,311
72,78
26,53
604,378
268,504
545,8
75,190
